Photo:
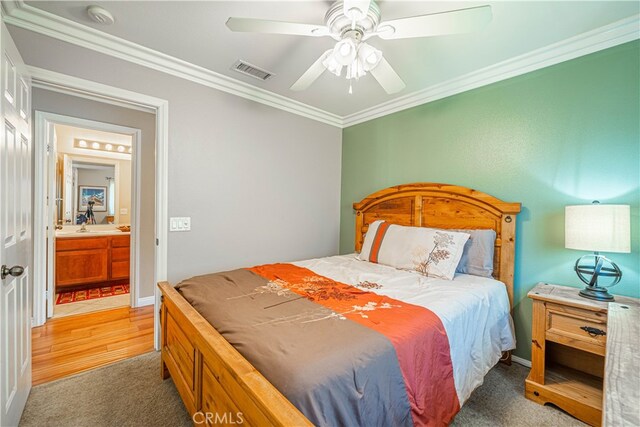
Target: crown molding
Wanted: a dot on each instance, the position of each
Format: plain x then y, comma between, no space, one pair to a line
31,18
8,6
21,15
619,32
69,85
614,34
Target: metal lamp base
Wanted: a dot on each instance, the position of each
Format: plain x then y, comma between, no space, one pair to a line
596,293
590,268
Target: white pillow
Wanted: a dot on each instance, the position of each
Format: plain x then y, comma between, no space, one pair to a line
431,252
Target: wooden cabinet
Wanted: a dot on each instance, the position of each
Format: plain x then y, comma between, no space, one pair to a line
569,342
82,261
120,254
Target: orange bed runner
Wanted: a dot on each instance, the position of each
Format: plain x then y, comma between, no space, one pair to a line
417,334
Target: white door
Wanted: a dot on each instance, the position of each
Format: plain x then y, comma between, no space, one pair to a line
15,234
67,189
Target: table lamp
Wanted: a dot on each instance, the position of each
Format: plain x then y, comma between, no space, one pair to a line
597,228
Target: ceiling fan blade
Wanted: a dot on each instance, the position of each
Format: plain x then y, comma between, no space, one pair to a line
387,77
312,73
437,24
250,25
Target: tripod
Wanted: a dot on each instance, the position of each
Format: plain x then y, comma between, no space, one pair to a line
91,218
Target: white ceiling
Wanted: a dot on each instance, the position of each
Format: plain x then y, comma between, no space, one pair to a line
195,32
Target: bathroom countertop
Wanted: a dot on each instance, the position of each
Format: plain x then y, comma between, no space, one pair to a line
62,234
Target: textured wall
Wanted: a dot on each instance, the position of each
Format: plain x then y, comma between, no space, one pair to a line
563,135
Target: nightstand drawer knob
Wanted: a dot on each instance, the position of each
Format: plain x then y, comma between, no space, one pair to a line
593,331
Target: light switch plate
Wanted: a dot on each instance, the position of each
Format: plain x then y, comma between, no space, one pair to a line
180,223
124,211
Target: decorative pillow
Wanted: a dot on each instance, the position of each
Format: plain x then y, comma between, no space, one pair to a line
477,256
428,251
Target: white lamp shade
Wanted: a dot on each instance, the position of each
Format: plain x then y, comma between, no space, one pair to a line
598,228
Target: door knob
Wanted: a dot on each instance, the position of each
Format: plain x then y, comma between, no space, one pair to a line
14,271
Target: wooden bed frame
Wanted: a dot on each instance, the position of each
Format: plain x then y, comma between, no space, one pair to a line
219,386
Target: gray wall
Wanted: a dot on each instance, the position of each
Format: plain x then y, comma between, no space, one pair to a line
261,185
53,102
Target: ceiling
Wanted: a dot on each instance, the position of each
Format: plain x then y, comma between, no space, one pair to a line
196,32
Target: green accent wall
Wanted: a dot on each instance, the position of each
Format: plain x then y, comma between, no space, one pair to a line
565,134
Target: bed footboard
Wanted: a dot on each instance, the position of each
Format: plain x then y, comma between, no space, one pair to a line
217,384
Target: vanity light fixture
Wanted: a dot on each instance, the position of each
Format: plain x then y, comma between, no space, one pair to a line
101,146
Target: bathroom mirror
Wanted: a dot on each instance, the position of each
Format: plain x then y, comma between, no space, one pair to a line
93,179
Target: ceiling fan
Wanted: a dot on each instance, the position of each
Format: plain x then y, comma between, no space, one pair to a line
351,23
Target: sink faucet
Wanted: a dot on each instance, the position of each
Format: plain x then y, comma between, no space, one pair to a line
83,229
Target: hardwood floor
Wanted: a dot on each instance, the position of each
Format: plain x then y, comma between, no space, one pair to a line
73,344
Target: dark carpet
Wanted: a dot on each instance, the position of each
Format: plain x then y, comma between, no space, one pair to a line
131,393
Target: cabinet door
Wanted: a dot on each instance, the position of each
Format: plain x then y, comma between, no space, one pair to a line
120,260
83,266
120,270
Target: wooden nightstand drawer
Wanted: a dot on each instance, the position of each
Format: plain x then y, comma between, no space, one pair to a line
583,329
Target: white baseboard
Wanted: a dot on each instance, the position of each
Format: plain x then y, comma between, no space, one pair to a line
150,300
521,361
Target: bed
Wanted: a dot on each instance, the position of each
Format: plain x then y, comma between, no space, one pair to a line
223,383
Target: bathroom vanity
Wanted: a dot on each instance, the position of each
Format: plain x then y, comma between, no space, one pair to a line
92,258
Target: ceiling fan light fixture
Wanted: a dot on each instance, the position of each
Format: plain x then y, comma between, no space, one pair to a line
332,65
345,51
356,70
369,56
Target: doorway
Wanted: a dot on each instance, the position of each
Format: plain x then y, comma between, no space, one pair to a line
91,176
92,266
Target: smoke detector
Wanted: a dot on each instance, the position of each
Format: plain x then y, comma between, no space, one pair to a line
100,15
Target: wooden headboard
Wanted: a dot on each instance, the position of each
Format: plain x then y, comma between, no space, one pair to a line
445,206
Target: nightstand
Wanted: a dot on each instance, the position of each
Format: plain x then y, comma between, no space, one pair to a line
569,337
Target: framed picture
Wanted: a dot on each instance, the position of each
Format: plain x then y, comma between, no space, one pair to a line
87,193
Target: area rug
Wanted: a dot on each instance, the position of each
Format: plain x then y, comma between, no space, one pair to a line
93,293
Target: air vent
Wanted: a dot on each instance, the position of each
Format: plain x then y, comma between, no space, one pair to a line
251,70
